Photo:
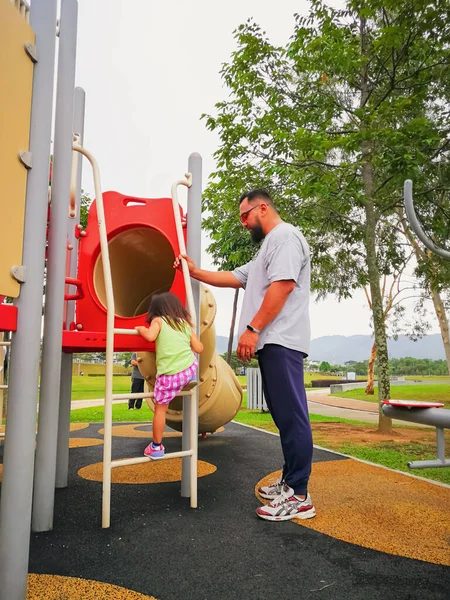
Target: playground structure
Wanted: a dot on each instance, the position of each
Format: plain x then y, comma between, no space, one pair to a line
417,412
125,254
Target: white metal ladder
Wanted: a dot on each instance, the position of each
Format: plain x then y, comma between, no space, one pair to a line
192,452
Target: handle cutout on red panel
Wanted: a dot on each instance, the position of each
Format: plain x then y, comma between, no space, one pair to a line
134,202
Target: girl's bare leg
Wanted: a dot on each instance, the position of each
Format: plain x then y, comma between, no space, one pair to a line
159,422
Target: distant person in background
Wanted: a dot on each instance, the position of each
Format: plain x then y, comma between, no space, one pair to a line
137,384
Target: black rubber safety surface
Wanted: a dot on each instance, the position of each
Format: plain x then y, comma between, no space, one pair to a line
157,545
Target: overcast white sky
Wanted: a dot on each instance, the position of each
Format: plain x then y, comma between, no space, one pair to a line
150,69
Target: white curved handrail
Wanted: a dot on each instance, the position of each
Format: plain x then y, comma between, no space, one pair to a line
110,312
187,278
415,225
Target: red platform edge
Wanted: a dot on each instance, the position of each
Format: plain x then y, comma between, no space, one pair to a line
93,341
8,317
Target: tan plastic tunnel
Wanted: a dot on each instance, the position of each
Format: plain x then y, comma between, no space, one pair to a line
141,265
220,393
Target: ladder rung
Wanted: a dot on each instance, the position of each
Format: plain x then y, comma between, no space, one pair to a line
143,459
126,396
125,331
148,395
174,455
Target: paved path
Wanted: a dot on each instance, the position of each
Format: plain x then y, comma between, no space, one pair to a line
320,403
91,403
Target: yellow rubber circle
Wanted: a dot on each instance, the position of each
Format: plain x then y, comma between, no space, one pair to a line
56,587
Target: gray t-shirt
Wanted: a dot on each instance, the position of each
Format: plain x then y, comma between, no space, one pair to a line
136,374
284,255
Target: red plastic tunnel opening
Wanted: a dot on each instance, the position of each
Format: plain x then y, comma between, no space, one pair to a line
141,265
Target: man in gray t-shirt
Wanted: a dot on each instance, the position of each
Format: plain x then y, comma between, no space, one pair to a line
137,384
283,256
274,325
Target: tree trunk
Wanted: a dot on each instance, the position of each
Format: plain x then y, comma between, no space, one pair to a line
370,367
233,323
384,423
368,177
443,321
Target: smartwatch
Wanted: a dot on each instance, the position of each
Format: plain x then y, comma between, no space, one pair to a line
253,329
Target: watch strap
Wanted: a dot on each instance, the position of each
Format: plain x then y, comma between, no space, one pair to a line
253,329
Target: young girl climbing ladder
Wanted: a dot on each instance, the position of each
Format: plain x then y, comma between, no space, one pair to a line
176,365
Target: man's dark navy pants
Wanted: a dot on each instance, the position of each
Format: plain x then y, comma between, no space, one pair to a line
284,390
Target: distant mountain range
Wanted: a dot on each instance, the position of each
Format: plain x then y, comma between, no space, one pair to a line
338,349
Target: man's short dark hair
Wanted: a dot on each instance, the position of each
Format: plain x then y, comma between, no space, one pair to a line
257,193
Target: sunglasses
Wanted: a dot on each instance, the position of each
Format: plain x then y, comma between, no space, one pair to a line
243,216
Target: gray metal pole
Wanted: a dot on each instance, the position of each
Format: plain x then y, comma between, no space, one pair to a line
45,465
194,250
18,459
65,390
62,445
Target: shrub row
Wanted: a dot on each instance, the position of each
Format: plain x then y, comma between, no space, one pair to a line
318,383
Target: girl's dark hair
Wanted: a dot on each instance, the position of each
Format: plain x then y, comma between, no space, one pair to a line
169,307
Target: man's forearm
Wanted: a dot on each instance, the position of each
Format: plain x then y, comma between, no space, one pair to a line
274,299
216,278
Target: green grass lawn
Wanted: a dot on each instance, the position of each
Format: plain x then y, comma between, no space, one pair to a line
440,378
120,413
88,388
425,393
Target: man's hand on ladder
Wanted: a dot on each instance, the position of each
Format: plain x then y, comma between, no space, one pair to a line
190,263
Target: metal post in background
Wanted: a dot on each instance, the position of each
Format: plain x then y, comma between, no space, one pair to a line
194,249
45,464
18,459
65,393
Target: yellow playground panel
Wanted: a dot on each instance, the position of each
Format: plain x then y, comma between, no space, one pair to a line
16,82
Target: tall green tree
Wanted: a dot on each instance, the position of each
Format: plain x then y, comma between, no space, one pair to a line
332,123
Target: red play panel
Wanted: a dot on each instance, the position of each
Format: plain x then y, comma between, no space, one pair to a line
412,404
8,317
143,244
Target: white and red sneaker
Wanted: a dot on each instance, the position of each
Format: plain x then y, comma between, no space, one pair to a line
287,506
269,492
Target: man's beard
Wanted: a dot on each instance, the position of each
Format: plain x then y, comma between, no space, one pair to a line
257,233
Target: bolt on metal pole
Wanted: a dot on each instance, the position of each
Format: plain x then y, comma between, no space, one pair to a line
65,392
45,464
194,250
18,459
